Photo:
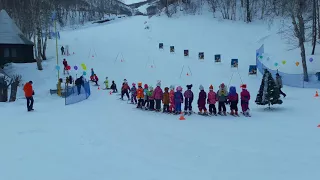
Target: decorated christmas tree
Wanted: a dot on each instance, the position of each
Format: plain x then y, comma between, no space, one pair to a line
269,93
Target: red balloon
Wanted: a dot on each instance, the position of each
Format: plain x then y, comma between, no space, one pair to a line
68,67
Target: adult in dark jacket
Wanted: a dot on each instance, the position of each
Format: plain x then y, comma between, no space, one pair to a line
279,84
62,51
79,82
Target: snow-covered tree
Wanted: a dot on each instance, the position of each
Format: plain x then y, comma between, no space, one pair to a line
269,93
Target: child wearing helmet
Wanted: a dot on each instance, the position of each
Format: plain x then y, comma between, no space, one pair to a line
178,99
151,98
171,97
188,99
92,75
233,100
140,95
106,83
166,100
114,87
212,99
245,98
133,92
158,94
202,101
146,97
222,96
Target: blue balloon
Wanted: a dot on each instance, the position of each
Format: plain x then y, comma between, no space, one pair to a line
84,73
57,67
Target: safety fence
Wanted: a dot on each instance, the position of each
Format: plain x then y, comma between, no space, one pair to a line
75,94
293,80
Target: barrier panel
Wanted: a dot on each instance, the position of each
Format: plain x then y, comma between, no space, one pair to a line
75,94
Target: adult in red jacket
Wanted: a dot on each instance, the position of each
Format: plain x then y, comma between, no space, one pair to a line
125,90
28,92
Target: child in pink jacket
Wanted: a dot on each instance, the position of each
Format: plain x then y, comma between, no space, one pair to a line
212,99
171,96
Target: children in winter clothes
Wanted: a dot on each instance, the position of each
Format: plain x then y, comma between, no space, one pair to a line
178,99
146,97
125,90
171,97
233,100
245,98
188,99
114,87
202,100
95,79
151,98
158,95
140,95
92,75
166,100
222,96
65,66
133,92
212,101
106,83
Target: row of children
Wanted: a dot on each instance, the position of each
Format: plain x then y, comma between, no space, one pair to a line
150,99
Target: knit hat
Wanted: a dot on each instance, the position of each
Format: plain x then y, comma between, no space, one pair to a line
222,85
189,86
243,86
201,87
211,87
150,88
133,84
166,89
179,88
30,82
146,86
106,77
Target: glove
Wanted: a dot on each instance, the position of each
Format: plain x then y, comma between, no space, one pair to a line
32,92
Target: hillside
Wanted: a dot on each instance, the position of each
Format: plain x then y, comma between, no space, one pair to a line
106,138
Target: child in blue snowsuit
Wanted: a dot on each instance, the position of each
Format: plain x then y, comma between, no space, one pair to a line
178,99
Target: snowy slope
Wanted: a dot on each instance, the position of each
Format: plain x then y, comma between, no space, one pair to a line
104,138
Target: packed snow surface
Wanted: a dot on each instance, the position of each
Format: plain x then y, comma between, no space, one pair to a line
105,138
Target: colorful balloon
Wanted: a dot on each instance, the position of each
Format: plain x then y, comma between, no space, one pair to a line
84,73
297,63
68,68
276,64
75,67
284,62
261,57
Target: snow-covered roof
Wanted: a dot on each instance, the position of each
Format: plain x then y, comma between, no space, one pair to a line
9,31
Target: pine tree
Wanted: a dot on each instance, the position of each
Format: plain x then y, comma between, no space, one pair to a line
269,93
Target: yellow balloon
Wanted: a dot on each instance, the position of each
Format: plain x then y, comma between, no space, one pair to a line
284,62
84,68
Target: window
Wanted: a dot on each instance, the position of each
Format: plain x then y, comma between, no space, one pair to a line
13,52
6,52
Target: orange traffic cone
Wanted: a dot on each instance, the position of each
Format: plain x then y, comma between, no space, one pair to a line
317,95
318,126
182,117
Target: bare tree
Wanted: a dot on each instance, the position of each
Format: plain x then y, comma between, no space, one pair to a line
14,87
5,82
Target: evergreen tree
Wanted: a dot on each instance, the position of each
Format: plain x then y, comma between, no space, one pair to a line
269,93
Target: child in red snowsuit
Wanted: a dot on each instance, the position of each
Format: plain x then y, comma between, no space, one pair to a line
171,96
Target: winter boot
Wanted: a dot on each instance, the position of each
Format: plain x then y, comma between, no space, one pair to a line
236,113
220,113
224,113
232,112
